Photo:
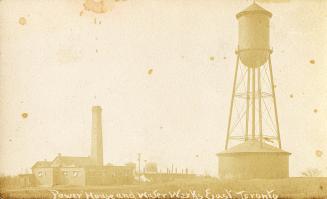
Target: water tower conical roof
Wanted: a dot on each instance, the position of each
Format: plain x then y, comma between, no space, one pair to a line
254,9
253,146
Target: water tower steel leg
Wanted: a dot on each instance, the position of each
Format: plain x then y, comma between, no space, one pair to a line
253,103
247,105
232,102
274,100
259,102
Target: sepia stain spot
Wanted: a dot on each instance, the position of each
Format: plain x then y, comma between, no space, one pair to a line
10,140
24,115
150,71
22,21
97,6
321,187
212,58
319,153
291,96
96,50
224,57
81,13
312,61
315,110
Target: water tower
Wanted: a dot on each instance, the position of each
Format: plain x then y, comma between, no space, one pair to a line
253,146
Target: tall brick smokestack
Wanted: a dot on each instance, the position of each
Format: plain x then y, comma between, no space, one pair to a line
96,145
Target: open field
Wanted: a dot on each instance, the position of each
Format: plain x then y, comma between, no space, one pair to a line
195,188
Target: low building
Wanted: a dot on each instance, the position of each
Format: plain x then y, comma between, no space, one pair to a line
79,171
152,174
252,159
43,173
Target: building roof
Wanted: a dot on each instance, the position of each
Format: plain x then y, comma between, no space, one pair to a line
26,175
253,146
70,161
254,9
42,164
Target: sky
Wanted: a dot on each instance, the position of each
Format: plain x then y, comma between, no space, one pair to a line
162,71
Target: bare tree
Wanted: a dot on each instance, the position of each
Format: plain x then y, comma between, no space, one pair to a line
311,172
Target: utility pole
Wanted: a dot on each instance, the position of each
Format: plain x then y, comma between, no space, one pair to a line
139,159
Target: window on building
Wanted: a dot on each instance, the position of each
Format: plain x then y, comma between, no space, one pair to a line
40,173
75,173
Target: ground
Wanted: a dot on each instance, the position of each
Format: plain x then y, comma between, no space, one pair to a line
298,187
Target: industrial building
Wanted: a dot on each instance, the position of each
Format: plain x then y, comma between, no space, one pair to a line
81,171
253,145
90,170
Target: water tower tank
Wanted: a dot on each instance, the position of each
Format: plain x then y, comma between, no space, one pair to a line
253,35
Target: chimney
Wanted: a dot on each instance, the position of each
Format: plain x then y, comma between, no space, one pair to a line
96,145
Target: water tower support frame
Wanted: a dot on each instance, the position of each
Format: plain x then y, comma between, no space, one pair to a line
253,92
